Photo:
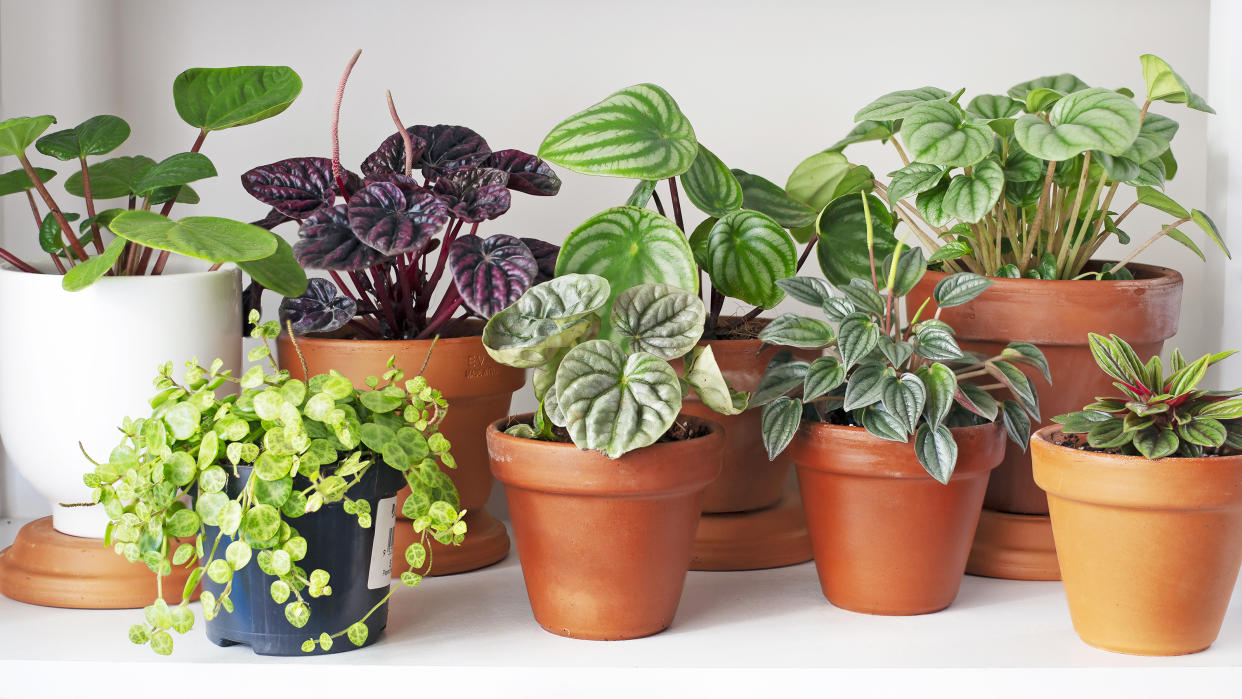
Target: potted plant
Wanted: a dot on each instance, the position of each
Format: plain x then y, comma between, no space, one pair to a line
109,311
280,500
390,242
607,451
1024,188
747,240
1143,489
893,445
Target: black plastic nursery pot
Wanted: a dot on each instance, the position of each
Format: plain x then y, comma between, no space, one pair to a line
359,562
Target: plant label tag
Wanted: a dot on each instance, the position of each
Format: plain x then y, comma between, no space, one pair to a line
385,521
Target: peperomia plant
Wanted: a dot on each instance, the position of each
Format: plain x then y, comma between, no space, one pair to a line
209,99
305,443
382,233
1024,184
895,380
745,244
1157,415
616,395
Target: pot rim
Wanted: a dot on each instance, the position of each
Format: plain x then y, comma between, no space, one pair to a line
896,460
1155,275
55,277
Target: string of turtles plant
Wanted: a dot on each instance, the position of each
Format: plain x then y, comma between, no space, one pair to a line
381,236
308,443
1024,184
209,99
611,395
897,380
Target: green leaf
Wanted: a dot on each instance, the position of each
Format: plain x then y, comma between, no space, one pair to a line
993,107
977,401
112,178
15,181
857,336
914,178
746,252
357,633
930,205
782,373
220,98
1021,166
865,386
1160,201
175,170
842,248
238,554
970,197
1026,353
95,136
911,266
711,186
279,271
952,250
792,330
858,179
1207,225
814,180
88,272
1090,119
204,237
905,398
938,133
1164,84
899,104
262,522
759,194
960,288
297,613
642,193
936,450
941,385
1154,137
1156,442
1041,99
550,316
616,403
50,239
704,376
1017,382
1017,423
865,131
881,423
658,319
1064,83
809,290
825,374
1204,431
18,133
638,132
779,423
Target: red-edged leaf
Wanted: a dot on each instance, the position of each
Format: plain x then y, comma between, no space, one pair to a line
395,216
491,273
321,308
296,187
449,148
527,173
474,194
326,242
389,158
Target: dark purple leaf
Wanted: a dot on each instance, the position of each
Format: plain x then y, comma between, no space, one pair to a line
389,158
449,148
325,241
491,273
272,219
545,254
320,309
474,194
527,173
296,187
396,216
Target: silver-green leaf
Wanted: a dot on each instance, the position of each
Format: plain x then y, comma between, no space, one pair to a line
658,319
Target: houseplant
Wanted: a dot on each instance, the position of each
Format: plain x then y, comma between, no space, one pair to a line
387,246
1025,187
1143,488
746,242
283,499
77,317
892,444
606,450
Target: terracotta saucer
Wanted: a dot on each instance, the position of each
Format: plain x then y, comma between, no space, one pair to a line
769,538
48,568
487,542
1015,547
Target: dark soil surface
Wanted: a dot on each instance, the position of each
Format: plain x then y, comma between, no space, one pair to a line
1079,442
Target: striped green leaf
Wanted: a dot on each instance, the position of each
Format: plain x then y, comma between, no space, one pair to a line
842,248
914,178
779,423
711,186
1090,119
767,197
938,133
746,253
814,181
792,330
897,105
638,132
971,196
936,450
659,319
549,317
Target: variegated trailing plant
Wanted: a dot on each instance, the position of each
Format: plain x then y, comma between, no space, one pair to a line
376,234
897,380
746,243
1024,184
1157,415
132,239
611,395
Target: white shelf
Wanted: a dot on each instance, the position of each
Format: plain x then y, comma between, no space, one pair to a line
736,634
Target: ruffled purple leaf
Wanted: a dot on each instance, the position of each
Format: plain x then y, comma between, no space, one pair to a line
474,194
396,216
545,255
320,309
491,273
325,241
296,187
389,158
272,219
449,148
527,173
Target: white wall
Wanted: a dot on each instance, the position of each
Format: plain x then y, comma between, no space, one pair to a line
765,84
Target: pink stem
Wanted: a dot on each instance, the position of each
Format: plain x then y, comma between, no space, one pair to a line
337,172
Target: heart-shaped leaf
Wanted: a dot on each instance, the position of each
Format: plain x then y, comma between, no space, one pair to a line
993,107
881,423
658,319
550,316
1063,83
914,178
941,385
88,272
865,131
842,249
768,198
474,194
792,330
18,133
545,256
1017,423
809,290
1041,99
779,423
325,241
1154,137
50,239
203,237
296,187
938,133
1021,166
220,98
641,194
904,398
746,252
527,173
898,105
970,197
491,273
1164,84
824,375
703,375
911,266
445,148
638,132
814,180
782,373
1090,119
930,205
856,337
960,288
15,181
389,158
175,170
936,450
95,136
616,403
865,386
320,309
112,178
396,216
279,271
711,186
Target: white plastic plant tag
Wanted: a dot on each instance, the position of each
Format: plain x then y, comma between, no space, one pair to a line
385,521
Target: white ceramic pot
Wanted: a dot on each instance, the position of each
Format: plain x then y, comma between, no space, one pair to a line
72,365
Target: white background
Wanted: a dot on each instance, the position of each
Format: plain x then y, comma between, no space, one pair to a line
764,83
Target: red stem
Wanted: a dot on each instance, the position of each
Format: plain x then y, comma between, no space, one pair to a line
449,305
16,261
168,205
806,254
379,274
655,196
34,209
65,229
90,204
672,188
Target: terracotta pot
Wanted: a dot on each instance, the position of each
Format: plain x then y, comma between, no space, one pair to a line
478,391
1056,316
888,538
1149,550
604,544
